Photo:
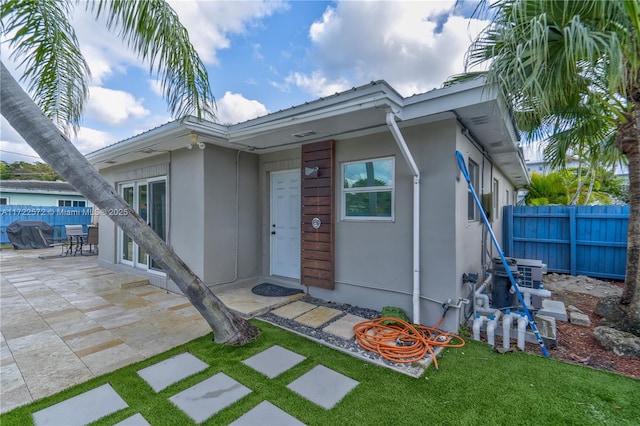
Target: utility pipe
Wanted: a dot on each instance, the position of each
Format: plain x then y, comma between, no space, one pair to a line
522,329
482,302
532,323
479,290
477,325
491,330
506,330
404,149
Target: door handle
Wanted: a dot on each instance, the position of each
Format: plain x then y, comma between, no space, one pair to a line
273,232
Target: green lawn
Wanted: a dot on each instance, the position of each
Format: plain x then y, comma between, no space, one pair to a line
475,385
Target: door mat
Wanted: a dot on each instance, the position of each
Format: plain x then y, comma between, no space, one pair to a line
274,290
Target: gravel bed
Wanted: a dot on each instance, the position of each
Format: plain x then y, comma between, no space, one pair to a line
349,346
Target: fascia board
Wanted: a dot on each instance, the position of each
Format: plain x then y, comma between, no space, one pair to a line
136,143
324,105
156,137
380,101
445,100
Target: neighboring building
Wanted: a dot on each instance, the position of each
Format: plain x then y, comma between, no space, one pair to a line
534,159
324,195
40,193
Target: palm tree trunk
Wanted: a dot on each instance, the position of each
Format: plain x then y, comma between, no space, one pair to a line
58,151
580,184
628,141
592,181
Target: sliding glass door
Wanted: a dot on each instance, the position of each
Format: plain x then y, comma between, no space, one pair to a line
149,199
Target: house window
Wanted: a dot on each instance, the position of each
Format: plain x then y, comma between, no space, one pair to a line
71,203
368,189
472,209
4,201
496,204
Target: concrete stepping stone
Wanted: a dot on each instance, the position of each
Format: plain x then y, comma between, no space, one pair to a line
323,386
266,413
136,420
343,327
273,361
205,399
318,316
81,409
293,310
165,373
554,308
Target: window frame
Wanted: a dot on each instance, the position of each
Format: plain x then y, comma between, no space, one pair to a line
71,202
368,189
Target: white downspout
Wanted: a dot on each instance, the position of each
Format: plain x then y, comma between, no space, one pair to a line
404,149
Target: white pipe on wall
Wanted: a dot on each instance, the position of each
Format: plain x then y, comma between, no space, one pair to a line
506,331
522,328
404,149
477,325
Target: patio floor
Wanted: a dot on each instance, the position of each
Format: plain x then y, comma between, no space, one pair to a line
64,320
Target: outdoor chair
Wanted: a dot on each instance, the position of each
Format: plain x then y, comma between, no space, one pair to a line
92,239
75,235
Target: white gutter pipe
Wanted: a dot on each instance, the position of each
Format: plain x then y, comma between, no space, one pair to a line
404,149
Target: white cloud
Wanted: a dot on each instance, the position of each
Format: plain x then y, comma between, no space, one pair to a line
317,84
156,87
88,140
210,22
12,147
415,46
114,107
234,108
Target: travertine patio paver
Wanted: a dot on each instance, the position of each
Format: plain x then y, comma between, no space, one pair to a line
343,327
318,316
293,310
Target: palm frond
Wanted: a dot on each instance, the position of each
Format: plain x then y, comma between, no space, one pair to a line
152,29
45,44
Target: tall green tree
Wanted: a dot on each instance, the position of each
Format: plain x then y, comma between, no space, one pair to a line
563,64
43,41
22,170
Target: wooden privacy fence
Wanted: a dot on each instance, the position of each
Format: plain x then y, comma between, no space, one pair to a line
576,240
57,217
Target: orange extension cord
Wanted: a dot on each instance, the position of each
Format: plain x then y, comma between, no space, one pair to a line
403,342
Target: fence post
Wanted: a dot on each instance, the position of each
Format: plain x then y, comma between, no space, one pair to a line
573,229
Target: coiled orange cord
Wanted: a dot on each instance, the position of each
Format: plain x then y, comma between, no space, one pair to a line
402,342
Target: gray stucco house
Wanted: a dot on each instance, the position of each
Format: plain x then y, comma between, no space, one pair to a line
355,197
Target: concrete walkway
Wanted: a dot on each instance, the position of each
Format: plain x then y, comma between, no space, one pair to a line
64,321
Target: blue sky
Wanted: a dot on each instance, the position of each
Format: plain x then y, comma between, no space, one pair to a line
266,56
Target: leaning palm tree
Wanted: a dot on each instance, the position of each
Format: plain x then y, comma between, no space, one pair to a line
552,58
57,76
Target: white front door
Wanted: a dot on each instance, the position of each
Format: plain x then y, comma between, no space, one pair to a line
285,224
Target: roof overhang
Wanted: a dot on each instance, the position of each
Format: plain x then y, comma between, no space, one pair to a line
356,112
